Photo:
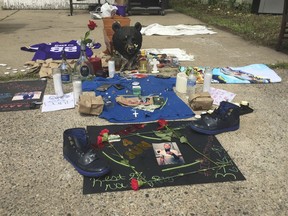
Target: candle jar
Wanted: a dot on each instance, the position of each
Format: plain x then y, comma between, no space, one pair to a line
111,68
181,82
77,88
97,64
56,73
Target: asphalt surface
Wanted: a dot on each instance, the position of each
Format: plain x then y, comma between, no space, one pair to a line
36,180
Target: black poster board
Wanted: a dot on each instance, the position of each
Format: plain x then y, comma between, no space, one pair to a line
206,162
19,95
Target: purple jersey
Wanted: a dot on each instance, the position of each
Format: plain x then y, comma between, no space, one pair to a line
54,50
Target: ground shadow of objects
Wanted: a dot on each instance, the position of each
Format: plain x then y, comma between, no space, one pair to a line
10,28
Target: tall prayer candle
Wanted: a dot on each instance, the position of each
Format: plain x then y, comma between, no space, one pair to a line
77,88
57,82
181,82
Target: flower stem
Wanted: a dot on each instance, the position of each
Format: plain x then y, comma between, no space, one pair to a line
191,146
190,173
127,165
147,132
152,138
116,150
206,169
179,167
201,153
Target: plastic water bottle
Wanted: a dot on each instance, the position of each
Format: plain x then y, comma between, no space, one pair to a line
191,84
207,79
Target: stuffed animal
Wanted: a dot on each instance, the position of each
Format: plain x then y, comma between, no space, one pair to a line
127,40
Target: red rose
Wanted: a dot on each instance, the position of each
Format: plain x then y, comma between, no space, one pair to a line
104,131
99,140
134,184
162,123
92,25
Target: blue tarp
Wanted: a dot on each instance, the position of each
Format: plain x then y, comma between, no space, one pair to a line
174,109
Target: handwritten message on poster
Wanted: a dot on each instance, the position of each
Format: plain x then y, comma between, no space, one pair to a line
54,103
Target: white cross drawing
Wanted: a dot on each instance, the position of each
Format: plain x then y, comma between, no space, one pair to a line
135,113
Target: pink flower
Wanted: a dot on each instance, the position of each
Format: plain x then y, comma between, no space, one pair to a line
162,123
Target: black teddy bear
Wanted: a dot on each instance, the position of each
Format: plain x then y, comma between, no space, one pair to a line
127,40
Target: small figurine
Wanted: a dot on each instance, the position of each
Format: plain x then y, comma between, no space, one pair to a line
154,62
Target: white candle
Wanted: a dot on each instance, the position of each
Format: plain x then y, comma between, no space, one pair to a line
181,82
58,84
77,90
111,68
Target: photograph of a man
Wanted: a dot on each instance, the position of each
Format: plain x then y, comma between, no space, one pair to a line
167,153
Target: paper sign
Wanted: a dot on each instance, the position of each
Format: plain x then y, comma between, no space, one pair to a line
219,95
54,103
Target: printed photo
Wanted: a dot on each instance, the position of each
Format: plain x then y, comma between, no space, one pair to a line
27,95
167,153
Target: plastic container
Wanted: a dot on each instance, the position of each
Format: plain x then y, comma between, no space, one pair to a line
191,84
207,79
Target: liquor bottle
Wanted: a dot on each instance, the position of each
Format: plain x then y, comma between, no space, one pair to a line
66,70
143,62
191,84
83,67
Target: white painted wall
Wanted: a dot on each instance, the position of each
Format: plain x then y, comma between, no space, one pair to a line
38,4
56,4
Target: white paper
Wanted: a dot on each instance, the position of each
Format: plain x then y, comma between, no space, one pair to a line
54,103
219,95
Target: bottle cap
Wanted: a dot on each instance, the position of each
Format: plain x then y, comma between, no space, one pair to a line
135,83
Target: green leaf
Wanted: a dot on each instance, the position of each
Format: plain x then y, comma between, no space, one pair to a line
87,34
167,138
163,133
125,162
88,40
183,139
147,137
176,134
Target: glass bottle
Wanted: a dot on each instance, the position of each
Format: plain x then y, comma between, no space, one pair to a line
191,84
83,67
143,62
66,70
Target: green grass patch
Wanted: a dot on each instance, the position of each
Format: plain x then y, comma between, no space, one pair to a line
260,29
